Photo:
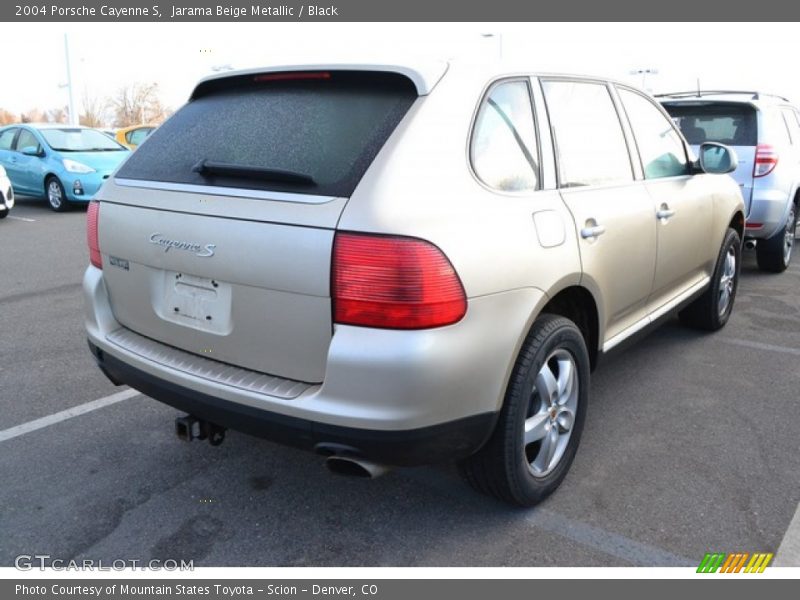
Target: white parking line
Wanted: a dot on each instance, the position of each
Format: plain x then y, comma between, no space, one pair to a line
22,219
75,411
760,346
788,554
613,544
610,543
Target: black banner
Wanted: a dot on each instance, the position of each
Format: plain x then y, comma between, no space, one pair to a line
407,10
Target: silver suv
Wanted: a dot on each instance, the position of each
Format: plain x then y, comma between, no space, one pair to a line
397,265
764,130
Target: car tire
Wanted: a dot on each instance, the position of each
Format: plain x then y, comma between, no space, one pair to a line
4,212
513,465
713,309
56,197
775,254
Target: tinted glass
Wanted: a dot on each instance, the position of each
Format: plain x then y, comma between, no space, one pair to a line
588,134
73,139
727,123
26,139
504,152
328,129
659,144
6,137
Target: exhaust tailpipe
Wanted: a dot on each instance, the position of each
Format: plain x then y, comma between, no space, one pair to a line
355,467
749,244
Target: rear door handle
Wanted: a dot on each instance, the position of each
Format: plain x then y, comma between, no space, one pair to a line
665,213
592,232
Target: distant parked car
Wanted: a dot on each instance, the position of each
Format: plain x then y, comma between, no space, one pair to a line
6,194
65,164
765,132
133,136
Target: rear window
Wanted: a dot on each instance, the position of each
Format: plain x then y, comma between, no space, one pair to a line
732,124
311,133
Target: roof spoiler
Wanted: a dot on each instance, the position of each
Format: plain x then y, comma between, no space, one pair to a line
424,77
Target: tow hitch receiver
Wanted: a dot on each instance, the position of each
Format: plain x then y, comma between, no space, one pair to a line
190,428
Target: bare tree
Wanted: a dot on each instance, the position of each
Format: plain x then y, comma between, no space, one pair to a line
7,117
33,115
58,115
95,110
138,103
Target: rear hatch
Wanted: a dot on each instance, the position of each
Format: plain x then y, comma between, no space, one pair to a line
731,123
216,234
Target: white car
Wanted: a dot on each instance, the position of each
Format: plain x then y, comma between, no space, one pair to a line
6,194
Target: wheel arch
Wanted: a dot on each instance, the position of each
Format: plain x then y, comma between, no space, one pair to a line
578,304
46,178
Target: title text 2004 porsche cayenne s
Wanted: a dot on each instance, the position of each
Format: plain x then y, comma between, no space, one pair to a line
398,265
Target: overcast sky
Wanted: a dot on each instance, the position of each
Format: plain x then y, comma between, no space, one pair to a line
109,55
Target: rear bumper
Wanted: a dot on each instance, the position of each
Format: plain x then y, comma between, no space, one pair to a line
769,208
426,445
399,397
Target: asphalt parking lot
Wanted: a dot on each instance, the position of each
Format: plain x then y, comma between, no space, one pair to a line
692,444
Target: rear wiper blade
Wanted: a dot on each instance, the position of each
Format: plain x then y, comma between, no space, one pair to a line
207,167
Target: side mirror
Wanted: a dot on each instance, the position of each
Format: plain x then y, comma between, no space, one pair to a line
32,151
717,158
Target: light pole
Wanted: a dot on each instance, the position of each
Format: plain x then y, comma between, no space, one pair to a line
499,38
73,113
644,73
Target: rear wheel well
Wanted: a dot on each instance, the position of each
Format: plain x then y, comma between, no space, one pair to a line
577,304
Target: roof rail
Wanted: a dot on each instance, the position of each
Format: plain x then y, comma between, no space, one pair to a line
701,93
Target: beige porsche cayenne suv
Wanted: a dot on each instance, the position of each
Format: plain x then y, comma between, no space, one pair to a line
397,265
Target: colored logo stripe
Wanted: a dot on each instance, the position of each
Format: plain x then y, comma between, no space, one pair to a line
734,562
711,562
758,563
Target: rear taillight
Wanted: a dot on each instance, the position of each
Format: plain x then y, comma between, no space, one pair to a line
92,216
766,159
393,283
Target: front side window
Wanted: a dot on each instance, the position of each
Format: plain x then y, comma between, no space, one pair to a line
137,136
504,150
660,146
27,140
587,133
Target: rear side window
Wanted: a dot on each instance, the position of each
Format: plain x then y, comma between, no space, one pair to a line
587,133
660,146
791,123
733,124
311,133
504,150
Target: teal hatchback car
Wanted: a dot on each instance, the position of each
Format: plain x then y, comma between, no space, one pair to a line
63,163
